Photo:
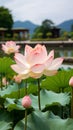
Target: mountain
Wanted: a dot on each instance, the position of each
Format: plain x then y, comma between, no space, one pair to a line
25,24
66,25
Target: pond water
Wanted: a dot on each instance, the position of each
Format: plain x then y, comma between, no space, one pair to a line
63,52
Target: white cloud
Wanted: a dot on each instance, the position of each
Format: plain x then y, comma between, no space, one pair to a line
39,10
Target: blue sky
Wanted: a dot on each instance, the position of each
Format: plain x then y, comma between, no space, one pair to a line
39,10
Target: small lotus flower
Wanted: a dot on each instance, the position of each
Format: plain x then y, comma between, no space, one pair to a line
10,47
17,78
35,62
4,81
71,81
26,101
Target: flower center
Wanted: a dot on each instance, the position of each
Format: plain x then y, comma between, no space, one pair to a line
10,50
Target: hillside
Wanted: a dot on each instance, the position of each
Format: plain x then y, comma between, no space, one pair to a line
66,25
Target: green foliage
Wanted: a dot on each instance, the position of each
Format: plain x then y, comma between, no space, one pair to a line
58,82
49,98
55,92
64,34
72,28
5,120
45,121
44,29
5,63
6,19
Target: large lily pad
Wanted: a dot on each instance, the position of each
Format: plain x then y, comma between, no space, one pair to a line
45,121
5,120
58,82
50,98
5,63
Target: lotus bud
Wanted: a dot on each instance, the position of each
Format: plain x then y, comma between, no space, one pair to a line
4,81
26,101
71,81
17,78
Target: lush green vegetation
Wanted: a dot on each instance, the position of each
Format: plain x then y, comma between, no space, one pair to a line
6,19
55,97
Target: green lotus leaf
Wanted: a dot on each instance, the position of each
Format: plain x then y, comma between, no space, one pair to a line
5,64
5,125
12,104
12,91
45,121
7,91
50,98
35,122
5,120
58,82
56,123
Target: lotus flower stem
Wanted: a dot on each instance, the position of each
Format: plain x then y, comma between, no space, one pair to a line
25,127
39,104
18,91
1,83
72,104
26,88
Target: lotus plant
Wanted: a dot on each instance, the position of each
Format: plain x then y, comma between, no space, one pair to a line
26,103
34,63
10,47
71,84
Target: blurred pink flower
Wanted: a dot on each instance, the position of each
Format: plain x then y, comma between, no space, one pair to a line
4,81
71,81
10,47
35,62
17,78
26,101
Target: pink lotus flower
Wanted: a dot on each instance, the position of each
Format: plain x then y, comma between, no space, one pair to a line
26,101
35,62
10,47
71,81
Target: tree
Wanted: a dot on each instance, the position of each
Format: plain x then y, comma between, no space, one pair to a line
6,20
44,28
72,28
47,24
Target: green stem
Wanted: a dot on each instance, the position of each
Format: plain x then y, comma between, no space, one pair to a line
39,104
26,88
18,91
72,104
1,82
25,127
